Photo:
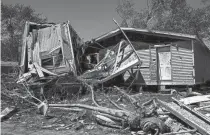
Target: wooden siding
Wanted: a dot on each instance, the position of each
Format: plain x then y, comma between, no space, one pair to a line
145,57
181,61
145,76
182,66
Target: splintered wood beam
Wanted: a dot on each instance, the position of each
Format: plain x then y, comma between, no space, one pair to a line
47,71
117,57
186,116
39,71
114,112
198,114
125,58
127,39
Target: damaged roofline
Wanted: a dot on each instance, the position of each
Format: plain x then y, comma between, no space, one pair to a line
148,32
39,24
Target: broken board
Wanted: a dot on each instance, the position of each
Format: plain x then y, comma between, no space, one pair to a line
39,71
186,116
195,99
7,113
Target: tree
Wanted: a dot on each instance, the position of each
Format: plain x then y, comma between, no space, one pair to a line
169,15
12,23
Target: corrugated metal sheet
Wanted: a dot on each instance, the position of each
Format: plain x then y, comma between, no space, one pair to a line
49,38
36,56
182,66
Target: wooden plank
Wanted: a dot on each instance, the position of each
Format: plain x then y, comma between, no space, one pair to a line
177,72
195,99
186,56
196,113
39,71
7,113
182,67
187,117
45,70
183,61
182,64
182,51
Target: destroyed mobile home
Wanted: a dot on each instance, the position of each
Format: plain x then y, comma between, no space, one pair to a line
125,57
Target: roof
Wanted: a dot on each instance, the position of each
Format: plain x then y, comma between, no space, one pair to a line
9,63
145,31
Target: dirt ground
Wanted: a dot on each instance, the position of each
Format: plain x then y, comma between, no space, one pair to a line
28,121
10,128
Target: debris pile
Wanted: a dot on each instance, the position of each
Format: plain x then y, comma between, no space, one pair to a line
51,69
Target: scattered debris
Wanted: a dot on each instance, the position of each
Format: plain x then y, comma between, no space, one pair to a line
184,113
195,99
8,112
57,70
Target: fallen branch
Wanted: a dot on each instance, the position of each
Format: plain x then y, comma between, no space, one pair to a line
132,100
69,109
92,93
112,117
118,107
114,112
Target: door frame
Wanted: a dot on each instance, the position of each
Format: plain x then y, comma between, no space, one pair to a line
157,63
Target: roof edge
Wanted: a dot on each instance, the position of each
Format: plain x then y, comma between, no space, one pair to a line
116,31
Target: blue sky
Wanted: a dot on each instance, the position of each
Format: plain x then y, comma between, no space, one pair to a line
90,18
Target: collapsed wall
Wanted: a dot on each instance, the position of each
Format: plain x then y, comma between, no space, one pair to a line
52,46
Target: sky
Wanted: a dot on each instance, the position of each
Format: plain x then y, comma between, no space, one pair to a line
90,18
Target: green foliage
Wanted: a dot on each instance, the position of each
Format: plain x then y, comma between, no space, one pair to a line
13,19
